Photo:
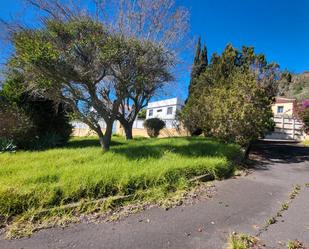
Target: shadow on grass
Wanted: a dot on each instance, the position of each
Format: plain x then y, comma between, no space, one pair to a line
88,142
195,148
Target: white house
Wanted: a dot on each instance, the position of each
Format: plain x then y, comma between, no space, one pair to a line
164,109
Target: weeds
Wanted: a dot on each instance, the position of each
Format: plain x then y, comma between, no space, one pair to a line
284,207
294,192
295,244
272,220
243,241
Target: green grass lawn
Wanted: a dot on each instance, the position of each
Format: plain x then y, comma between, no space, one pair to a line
81,171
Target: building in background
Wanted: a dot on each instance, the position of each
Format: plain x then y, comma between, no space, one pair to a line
163,109
287,125
284,107
166,110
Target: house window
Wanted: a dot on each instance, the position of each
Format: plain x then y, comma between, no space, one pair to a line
280,109
159,110
169,110
150,113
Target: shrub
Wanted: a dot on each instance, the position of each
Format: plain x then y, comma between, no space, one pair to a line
154,126
303,113
15,126
49,118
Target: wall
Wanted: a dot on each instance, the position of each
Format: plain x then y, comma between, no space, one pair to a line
140,131
164,133
288,108
80,129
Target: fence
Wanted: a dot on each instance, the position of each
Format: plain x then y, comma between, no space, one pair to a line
287,128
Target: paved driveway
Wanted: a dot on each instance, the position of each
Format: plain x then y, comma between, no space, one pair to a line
241,205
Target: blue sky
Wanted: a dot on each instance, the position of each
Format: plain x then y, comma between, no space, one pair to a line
277,28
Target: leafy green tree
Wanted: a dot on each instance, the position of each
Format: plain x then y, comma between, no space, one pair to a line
96,73
69,61
237,110
143,67
233,97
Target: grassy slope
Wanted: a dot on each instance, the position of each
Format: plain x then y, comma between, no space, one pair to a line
32,180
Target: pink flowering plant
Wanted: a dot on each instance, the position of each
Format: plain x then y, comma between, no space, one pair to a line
303,113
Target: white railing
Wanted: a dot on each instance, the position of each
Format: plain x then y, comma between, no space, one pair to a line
287,128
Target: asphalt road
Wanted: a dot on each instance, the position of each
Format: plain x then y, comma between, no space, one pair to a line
243,205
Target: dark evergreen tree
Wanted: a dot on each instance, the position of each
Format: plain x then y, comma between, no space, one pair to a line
199,65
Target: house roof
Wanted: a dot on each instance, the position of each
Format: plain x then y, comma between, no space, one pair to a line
165,102
284,100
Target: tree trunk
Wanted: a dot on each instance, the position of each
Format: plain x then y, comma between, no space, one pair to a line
247,150
127,126
128,130
105,139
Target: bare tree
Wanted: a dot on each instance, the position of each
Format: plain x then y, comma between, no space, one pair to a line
144,69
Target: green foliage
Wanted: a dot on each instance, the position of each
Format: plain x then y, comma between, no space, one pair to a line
189,117
233,97
44,179
15,125
243,241
199,66
47,116
154,126
236,111
98,73
142,114
7,145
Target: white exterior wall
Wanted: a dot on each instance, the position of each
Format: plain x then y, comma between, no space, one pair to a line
159,109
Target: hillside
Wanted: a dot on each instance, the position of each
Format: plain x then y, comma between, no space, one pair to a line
298,87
